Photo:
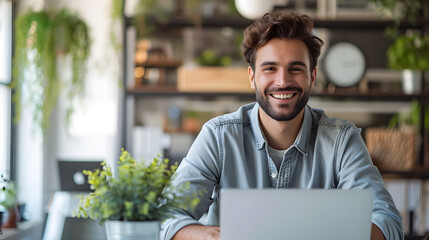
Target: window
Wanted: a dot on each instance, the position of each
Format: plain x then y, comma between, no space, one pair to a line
5,79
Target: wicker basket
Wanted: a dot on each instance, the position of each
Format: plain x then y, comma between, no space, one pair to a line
392,149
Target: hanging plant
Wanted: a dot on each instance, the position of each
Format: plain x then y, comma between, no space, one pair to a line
40,38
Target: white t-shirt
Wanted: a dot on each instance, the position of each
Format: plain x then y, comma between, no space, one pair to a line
276,156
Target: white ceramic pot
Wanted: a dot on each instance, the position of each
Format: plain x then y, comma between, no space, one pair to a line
411,81
123,230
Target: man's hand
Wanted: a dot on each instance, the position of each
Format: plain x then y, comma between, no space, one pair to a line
376,233
198,232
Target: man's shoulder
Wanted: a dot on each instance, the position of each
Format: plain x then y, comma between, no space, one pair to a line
321,119
239,117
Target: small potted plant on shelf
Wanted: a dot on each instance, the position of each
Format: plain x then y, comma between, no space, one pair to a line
134,202
8,200
410,54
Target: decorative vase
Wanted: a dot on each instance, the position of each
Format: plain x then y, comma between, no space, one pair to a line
12,218
123,230
411,81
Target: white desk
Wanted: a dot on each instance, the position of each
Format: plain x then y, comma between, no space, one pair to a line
61,225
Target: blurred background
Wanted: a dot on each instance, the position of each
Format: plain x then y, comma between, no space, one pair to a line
145,75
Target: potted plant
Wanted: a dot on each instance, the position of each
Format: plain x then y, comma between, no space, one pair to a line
8,196
410,54
133,202
41,39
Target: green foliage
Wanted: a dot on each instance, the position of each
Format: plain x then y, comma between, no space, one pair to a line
400,9
209,57
40,37
409,52
8,193
411,118
141,191
117,9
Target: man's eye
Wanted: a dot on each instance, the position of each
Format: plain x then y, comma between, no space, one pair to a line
295,69
269,69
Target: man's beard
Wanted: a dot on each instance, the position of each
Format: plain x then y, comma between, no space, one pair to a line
265,105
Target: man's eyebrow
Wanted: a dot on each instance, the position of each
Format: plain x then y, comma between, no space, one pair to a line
268,63
272,63
300,63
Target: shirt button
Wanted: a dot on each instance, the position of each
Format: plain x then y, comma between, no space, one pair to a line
273,175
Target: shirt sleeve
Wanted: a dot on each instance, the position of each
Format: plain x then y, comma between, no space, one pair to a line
201,169
356,171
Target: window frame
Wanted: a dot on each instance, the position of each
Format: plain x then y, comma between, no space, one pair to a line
10,165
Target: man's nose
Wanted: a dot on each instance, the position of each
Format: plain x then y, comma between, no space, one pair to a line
281,78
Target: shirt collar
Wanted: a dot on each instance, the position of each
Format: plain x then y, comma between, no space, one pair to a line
301,142
256,128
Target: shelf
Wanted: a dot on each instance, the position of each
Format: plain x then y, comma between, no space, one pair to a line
151,91
215,22
369,96
366,24
240,22
421,174
162,63
373,95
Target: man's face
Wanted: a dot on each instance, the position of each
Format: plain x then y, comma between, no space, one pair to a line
282,78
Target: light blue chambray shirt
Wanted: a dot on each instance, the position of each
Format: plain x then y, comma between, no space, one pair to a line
231,152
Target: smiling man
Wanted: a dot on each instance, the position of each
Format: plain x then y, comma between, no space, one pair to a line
280,141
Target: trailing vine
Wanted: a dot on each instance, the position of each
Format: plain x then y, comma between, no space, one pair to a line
40,38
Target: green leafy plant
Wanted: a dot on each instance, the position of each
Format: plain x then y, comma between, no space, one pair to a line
8,193
141,191
208,57
40,37
400,9
409,52
411,118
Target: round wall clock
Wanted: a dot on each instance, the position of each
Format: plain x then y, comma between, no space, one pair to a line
344,64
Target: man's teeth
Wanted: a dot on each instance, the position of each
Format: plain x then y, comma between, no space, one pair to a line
282,96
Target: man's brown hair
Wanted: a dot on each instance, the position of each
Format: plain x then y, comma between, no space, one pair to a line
280,24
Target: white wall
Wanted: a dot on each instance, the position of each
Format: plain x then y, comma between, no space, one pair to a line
29,156
92,134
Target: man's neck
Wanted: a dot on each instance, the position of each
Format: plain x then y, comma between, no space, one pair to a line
280,135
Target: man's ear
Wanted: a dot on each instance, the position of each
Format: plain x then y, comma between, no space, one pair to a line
313,77
251,77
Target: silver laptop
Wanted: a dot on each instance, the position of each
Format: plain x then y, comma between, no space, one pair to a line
295,214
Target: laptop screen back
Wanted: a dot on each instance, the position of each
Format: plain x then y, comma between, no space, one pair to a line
295,214
71,177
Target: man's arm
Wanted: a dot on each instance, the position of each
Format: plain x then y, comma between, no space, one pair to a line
356,171
198,232
199,169
376,233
